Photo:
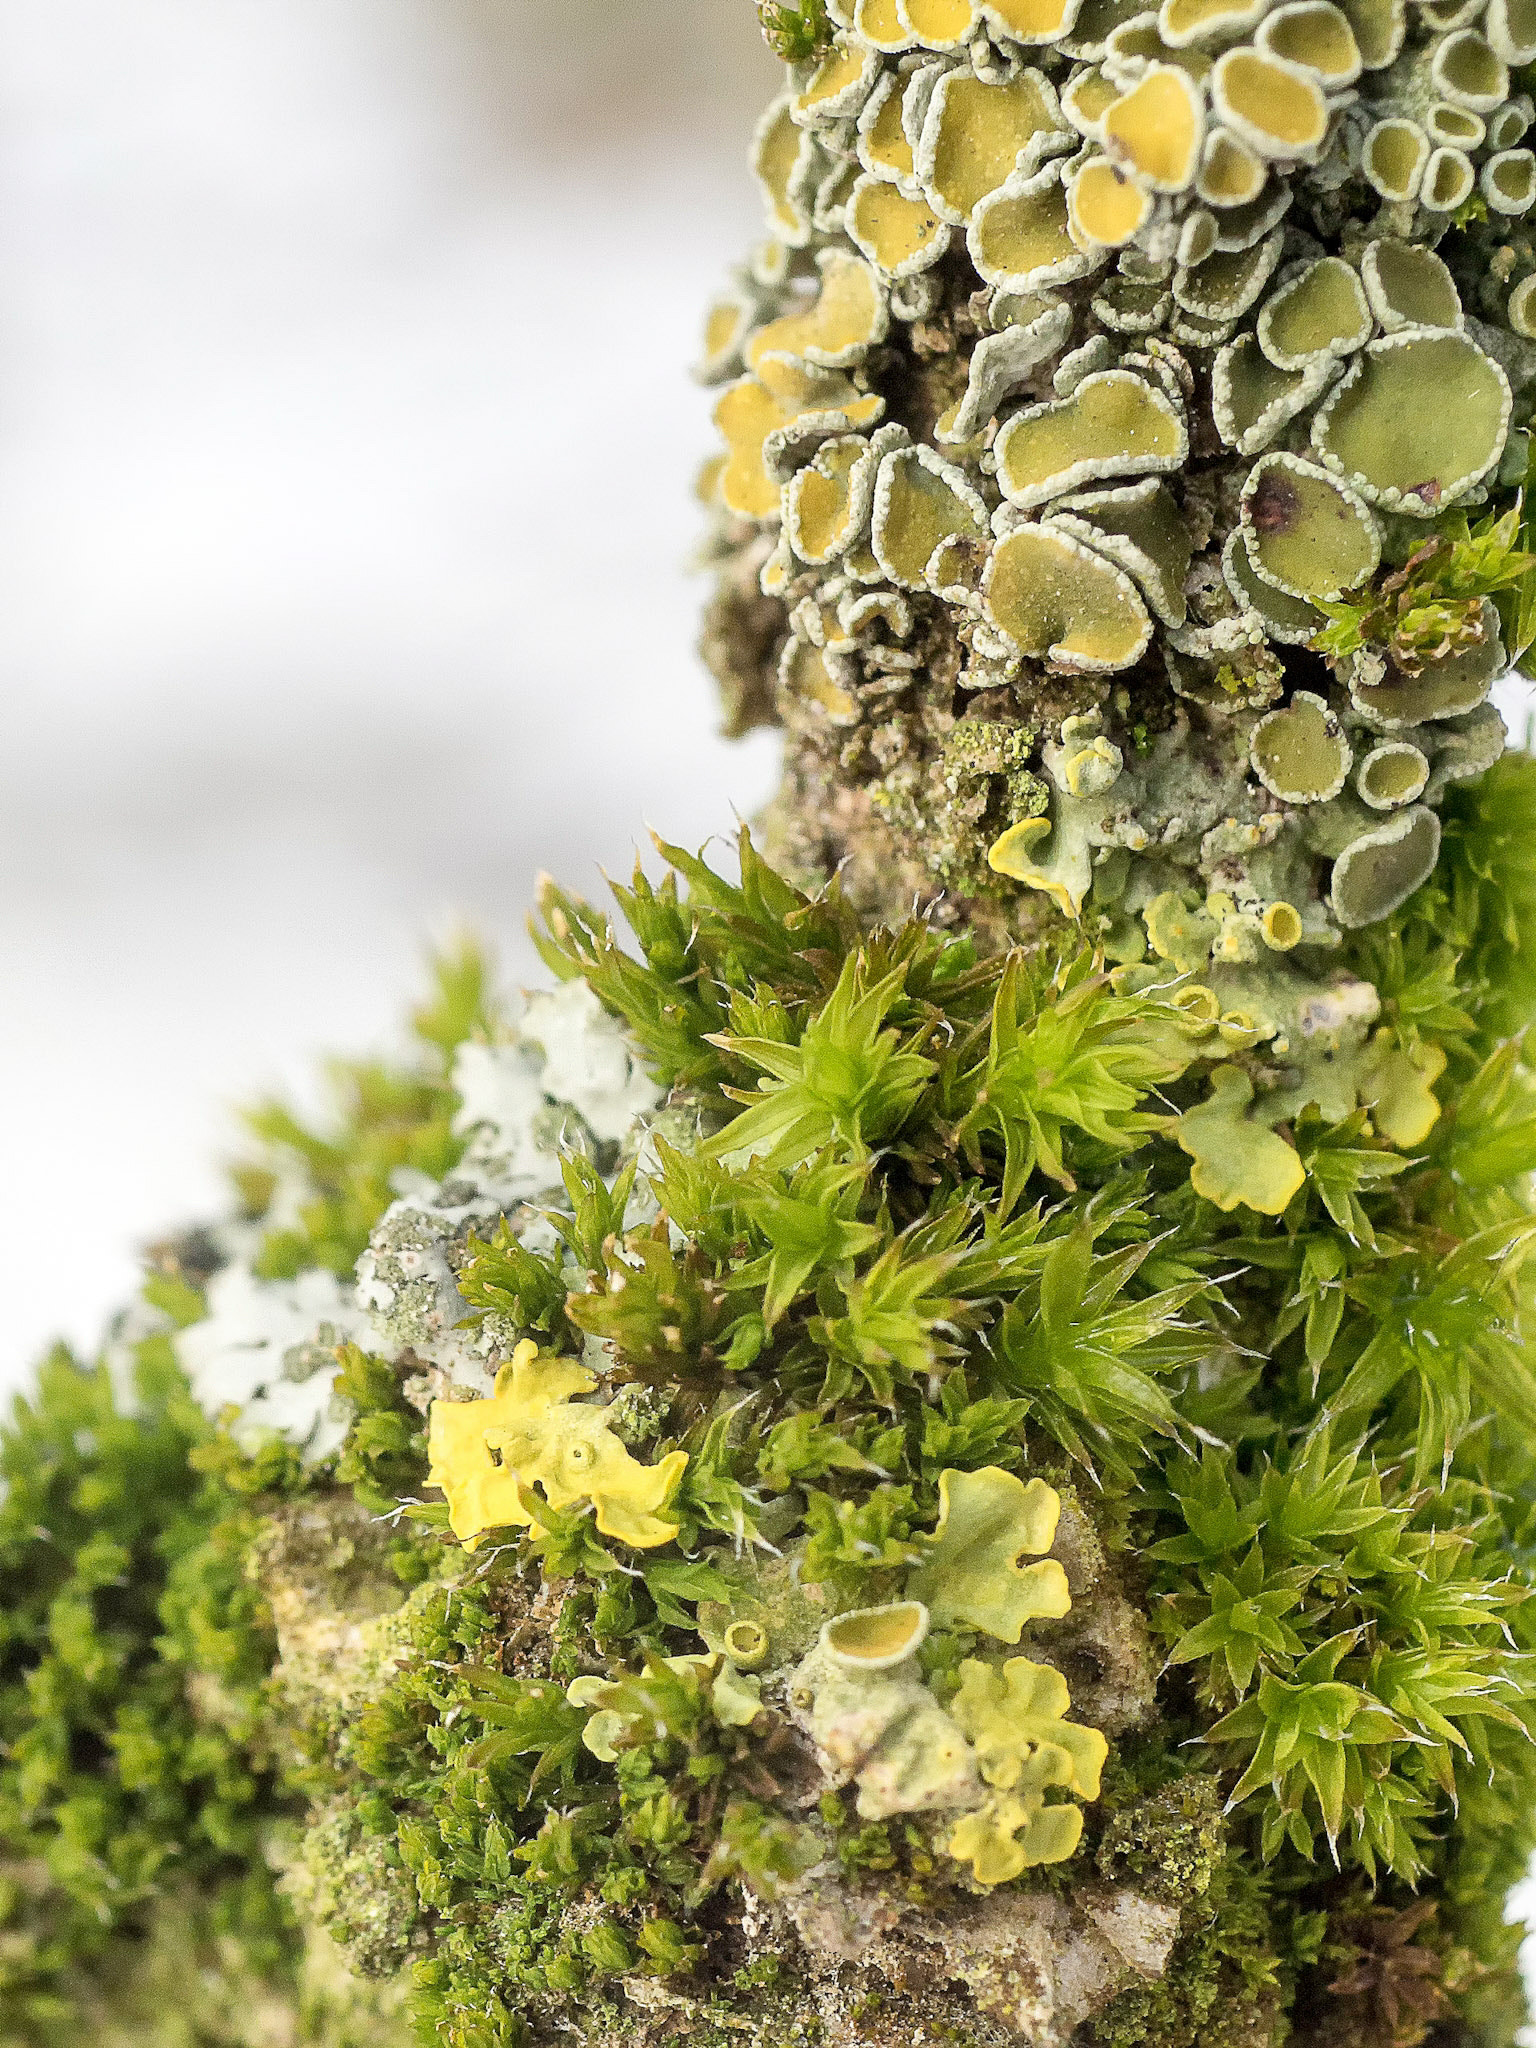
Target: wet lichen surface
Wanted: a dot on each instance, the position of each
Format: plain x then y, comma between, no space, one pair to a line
934,1446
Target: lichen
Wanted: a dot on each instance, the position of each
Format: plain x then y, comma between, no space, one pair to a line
1228,251
489,1456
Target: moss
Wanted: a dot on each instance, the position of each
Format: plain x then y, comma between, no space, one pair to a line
1171,1841
1225,1980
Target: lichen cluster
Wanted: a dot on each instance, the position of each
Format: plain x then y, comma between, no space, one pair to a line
1125,426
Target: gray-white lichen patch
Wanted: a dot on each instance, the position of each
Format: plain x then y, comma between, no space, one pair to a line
268,1348
567,1078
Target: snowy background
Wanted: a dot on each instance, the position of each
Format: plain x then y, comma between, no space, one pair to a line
346,446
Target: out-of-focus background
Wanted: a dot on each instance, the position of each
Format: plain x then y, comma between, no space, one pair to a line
346,443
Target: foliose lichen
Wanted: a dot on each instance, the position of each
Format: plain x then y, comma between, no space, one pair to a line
1128,422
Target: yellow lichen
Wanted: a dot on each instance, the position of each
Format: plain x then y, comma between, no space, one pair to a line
779,392
1105,208
1020,236
1114,424
921,500
1015,1719
835,81
1033,21
971,1570
848,315
1275,106
489,1455
879,22
820,503
899,234
884,148
1060,600
941,24
1237,1160
1180,929
975,133
1158,127
1398,1089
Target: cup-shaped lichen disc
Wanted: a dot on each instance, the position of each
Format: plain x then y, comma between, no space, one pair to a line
1114,424
1031,21
879,22
939,24
1447,688
1106,208
1140,527
1020,238
784,158
1061,601
754,410
1510,26
1382,868
1509,124
1317,35
1468,72
1086,99
848,316
976,132
1379,27
1289,620
1393,157
839,83
1182,22
1409,286
1448,179
1307,533
1508,181
1392,775
920,500
1251,400
884,149
1320,312
876,1638
1126,307
1419,418
1300,754
900,235
1158,128
1230,174
1276,107
822,508
1225,285
1455,127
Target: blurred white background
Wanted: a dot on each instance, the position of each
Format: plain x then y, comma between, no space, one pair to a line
346,445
